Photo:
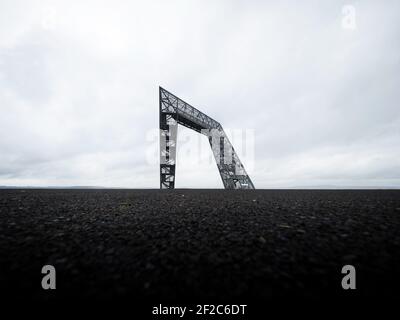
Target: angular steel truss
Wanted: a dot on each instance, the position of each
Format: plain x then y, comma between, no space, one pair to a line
174,111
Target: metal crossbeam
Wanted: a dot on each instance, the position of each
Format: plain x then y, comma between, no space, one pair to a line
174,111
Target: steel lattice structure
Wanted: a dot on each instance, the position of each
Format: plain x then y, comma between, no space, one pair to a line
174,111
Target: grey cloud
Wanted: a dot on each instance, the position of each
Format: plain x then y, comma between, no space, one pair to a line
78,95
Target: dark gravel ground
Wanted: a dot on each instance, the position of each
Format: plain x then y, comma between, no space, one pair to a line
199,244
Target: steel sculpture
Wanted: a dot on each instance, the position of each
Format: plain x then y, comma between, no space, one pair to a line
174,111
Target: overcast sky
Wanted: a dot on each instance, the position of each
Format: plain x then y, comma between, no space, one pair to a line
316,86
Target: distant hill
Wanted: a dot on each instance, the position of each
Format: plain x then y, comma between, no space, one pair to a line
321,187
52,187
